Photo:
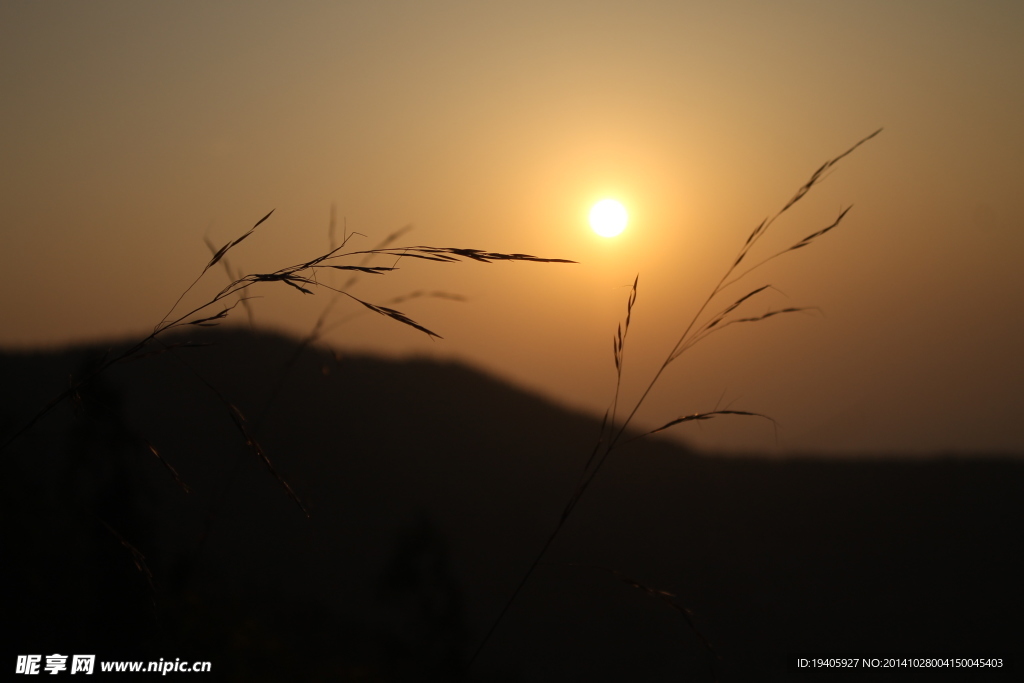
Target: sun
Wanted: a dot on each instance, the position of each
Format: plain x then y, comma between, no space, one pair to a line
608,218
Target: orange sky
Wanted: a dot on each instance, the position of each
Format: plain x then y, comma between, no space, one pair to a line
130,131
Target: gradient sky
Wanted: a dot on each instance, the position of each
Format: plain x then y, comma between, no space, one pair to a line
129,131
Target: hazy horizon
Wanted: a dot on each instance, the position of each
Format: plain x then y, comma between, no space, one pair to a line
132,132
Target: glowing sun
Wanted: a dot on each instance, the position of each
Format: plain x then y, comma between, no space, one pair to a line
608,218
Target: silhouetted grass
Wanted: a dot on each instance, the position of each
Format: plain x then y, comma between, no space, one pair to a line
698,329
302,277
714,314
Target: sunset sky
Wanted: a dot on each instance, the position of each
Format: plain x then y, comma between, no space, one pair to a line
130,131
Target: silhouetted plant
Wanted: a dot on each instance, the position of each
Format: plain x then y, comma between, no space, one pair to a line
305,277
612,433
302,277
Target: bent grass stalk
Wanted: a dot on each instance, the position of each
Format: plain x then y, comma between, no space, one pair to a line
611,435
302,277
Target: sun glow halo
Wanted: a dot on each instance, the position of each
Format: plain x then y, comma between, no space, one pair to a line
608,218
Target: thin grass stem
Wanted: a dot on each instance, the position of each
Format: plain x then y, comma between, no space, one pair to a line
605,446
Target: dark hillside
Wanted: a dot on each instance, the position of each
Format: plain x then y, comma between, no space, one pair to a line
430,488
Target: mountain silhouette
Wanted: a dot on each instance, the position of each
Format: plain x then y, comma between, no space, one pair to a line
138,524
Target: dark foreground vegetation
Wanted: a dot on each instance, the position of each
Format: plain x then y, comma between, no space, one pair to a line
430,488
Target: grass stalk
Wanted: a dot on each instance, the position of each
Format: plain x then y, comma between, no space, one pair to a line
611,435
302,277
